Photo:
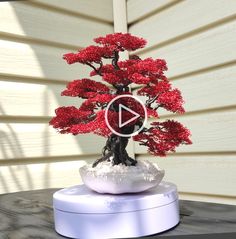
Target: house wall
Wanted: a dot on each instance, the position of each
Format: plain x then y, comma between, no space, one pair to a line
34,36
198,41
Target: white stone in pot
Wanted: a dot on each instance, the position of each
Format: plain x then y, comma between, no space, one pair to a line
117,179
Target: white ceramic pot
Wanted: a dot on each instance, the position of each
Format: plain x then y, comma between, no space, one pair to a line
118,179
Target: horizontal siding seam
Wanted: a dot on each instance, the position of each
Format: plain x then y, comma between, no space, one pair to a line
68,12
225,109
43,119
24,119
29,40
199,71
194,73
43,160
30,79
207,195
188,154
188,34
156,11
203,70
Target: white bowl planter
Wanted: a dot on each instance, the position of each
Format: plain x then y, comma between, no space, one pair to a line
117,179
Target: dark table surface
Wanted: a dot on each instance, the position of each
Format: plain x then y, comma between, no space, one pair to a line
29,214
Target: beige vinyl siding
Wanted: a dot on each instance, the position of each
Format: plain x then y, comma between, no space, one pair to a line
209,134
31,96
42,173
99,10
180,19
200,173
207,49
137,11
33,37
198,41
28,140
27,20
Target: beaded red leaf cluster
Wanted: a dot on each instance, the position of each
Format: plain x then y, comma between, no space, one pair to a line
163,137
147,74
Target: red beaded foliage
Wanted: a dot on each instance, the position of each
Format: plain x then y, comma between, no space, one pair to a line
164,137
66,117
121,41
97,126
85,88
89,54
147,74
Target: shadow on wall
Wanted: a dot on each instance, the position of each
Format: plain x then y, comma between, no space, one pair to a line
11,148
45,64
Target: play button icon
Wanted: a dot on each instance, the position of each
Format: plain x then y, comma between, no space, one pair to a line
121,110
126,115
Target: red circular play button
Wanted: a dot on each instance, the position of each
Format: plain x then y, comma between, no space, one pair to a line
126,115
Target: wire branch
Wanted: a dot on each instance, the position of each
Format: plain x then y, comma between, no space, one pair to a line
115,60
150,101
94,68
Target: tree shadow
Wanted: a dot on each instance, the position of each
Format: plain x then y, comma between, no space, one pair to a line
11,148
49,74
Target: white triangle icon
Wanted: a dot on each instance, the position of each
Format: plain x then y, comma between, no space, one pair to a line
121,123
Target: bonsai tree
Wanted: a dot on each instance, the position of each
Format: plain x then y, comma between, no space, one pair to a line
160,138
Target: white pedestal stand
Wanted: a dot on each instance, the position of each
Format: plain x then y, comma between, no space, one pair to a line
82,213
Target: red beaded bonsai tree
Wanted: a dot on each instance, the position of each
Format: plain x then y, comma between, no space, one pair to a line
160,138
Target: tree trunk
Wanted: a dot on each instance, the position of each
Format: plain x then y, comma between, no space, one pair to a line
115,152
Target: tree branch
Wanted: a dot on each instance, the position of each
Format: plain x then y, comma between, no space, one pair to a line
115,60
94,68
150,101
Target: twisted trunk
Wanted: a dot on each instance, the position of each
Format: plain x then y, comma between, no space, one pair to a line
115,152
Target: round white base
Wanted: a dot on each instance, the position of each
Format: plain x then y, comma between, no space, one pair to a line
82,213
